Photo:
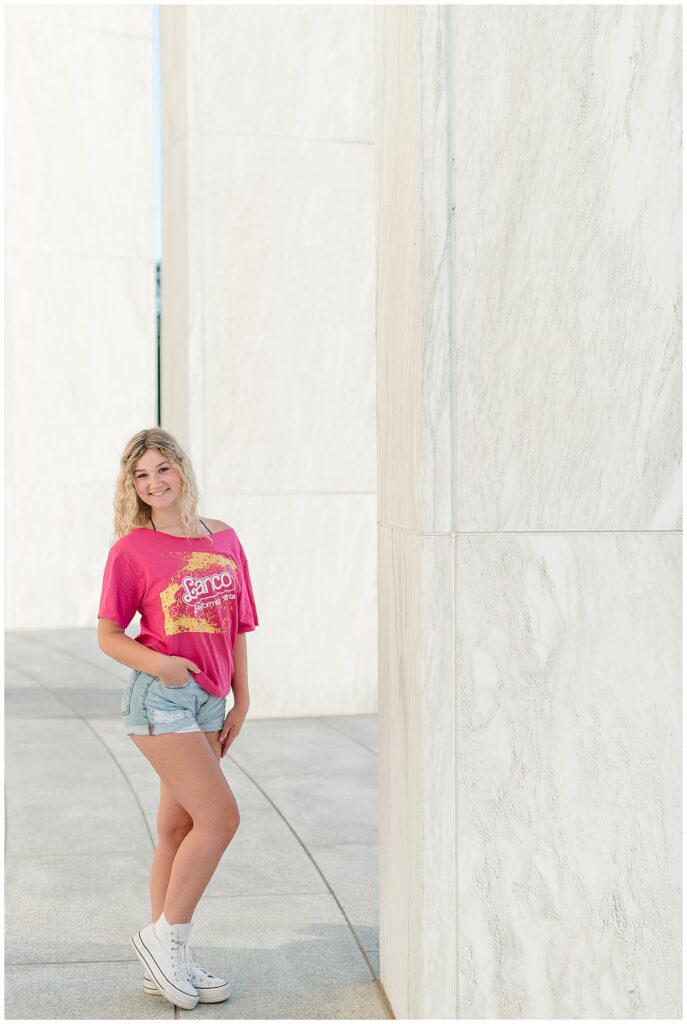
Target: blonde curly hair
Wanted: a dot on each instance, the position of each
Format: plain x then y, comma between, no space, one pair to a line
130,511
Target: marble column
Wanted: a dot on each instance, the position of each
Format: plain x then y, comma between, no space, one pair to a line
528,183
79,293
268,346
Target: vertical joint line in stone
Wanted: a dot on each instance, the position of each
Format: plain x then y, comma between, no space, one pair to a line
453,356
158,169
451,212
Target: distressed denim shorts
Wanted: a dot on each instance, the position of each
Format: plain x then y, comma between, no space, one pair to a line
151,707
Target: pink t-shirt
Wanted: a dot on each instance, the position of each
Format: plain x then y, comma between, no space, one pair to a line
194,596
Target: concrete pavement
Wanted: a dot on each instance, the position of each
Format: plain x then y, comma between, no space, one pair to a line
290,916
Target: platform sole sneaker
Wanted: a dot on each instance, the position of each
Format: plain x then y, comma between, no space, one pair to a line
210,988
159,956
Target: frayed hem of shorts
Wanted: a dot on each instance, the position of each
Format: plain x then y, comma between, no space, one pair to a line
212,728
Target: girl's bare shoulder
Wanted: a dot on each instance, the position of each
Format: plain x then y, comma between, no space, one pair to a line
216,524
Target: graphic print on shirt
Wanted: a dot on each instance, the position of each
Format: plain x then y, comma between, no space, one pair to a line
201,594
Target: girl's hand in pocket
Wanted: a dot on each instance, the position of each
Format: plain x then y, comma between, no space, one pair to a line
175,671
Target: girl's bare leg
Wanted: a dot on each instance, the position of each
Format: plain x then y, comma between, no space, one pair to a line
189,767
173,825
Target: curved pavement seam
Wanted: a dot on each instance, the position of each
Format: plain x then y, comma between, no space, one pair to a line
377,982
79,717
342,732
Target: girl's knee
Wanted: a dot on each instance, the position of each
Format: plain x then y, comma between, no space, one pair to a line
222,826
229,824
173,832
226,818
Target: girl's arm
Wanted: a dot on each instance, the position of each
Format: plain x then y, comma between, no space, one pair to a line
239,683
115,643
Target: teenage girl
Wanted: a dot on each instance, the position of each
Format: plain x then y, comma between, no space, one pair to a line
189,579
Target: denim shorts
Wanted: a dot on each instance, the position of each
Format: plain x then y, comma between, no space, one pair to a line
151,707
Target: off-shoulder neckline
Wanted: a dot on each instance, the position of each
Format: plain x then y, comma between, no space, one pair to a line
203,536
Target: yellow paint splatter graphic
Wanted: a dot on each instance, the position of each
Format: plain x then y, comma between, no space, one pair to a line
201,594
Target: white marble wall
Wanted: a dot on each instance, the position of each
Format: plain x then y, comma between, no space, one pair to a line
529,324
79,293
268,324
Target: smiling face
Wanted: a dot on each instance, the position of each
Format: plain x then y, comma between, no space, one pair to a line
157,481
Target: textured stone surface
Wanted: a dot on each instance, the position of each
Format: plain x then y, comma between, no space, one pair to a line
529,514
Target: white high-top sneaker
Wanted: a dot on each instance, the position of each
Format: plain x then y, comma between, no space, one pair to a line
211,989
162,949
